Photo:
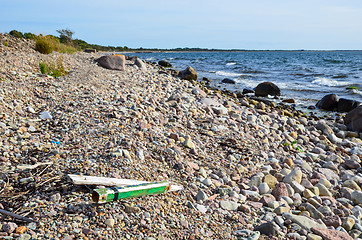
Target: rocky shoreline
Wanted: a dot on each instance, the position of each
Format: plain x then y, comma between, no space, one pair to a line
250,169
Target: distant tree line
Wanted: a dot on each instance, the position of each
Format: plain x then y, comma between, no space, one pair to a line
66,37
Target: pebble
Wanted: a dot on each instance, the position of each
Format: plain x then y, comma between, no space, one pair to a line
229,205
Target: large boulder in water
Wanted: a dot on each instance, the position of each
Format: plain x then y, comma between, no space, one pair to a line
328,102
267,88
346,105
113,62
188,74
353,119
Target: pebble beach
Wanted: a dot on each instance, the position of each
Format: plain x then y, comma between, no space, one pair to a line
249,168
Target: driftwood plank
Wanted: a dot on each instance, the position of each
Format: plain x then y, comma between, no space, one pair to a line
111,182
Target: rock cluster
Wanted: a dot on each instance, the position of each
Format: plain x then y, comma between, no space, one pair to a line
249,169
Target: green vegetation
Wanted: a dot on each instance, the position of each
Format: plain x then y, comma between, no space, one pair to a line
6,44
54,69
351,87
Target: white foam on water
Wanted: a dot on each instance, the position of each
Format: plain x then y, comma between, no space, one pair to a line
151,59
356,91
329,82
228,74
231,63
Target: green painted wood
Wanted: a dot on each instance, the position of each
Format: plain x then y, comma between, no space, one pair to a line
104,195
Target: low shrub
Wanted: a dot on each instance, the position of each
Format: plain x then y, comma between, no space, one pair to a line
44,45
48,44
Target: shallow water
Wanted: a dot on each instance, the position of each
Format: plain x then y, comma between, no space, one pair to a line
305,76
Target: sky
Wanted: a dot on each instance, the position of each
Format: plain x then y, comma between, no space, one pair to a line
221,24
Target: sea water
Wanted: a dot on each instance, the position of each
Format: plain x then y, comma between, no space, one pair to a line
305,76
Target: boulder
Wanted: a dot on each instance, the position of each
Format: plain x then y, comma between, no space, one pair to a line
140,64
248,90
228,80
346,105
353,120
188,74
267,88
164,63
113,62
328,102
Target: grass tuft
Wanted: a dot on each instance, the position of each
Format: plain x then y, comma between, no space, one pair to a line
54,69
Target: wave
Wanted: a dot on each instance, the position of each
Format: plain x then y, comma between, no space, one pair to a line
356,91
329,82
231,63
151,59
228,74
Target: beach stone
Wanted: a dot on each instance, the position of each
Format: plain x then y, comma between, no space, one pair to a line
352,164
351,184
24,236
312,236
298,188
268,228
229,205
346,105
348,223
248,90
188,74
270,180
295,175
280,190
356,197
308,193
113,62
9,227
263,188
334,221
323,190
304,222
328,102
109,222
330,234
282,209
164,63
266,199
334,139
201,196
314,213
45,115
323,126
201,208
267,88
228,80
140,64
353,120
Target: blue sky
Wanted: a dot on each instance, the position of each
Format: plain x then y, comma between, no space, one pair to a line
224,24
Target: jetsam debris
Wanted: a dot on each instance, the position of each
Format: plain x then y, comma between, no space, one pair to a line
122,188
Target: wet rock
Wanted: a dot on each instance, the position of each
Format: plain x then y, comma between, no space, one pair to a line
164,63
267,88
188,74
346,105
228,80
328,102
353,120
